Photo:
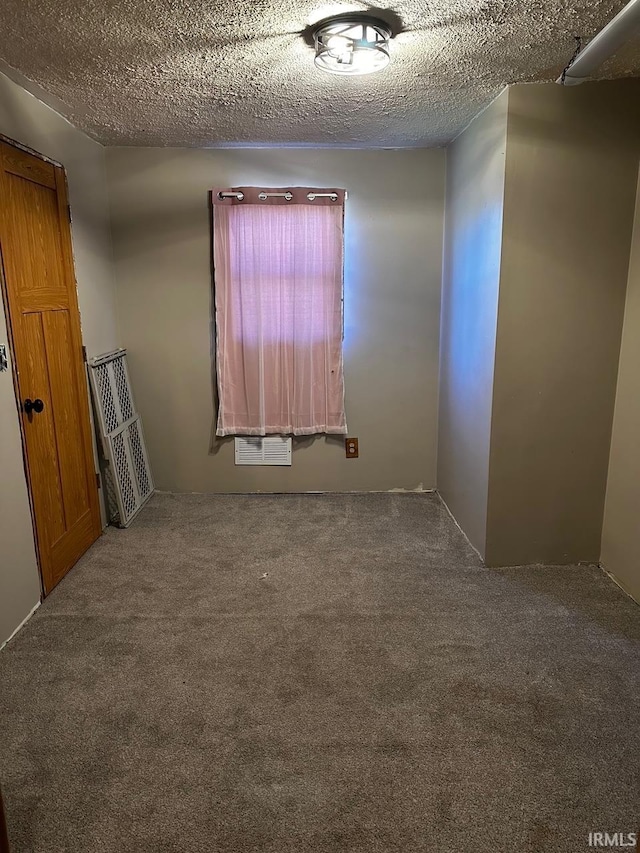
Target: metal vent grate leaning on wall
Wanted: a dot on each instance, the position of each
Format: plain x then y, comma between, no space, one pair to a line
267,450
127,474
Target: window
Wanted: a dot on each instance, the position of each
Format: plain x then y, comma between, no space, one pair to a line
278,298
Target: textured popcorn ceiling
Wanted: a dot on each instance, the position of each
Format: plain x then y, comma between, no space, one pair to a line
196,73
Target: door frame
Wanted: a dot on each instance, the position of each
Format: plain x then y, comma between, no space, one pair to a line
14,370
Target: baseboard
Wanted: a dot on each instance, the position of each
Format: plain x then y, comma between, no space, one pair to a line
419,490
619,583
20,626
455,521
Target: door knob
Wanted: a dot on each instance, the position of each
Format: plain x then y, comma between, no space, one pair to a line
33,406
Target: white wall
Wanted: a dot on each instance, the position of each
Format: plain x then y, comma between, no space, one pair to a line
393,228
470,285
19,581
526,406
571,169
621,531
26,120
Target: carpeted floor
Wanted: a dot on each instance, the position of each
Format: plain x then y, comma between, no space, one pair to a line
314,674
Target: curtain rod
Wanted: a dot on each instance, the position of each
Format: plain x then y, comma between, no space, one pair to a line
287,196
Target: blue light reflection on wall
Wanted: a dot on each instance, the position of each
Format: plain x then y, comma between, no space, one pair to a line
352,282
471,314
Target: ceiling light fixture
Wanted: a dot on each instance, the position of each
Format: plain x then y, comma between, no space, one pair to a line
352,43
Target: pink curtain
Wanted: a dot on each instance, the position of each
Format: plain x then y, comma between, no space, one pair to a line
278,299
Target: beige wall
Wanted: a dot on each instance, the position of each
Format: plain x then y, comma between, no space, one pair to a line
470,283
27,120
621,531
161,231
572,159
19,581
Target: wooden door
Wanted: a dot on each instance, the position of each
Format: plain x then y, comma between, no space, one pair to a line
40,294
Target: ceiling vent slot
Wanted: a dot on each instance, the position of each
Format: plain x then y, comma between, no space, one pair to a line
263,450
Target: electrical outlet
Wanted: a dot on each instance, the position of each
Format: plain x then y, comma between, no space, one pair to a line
351,446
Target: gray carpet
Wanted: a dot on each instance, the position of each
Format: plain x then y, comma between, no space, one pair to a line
379,690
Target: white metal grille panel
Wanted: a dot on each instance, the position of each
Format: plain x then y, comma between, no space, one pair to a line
263,450
139,459
122,385
128,479
112,492
123,472
105,395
